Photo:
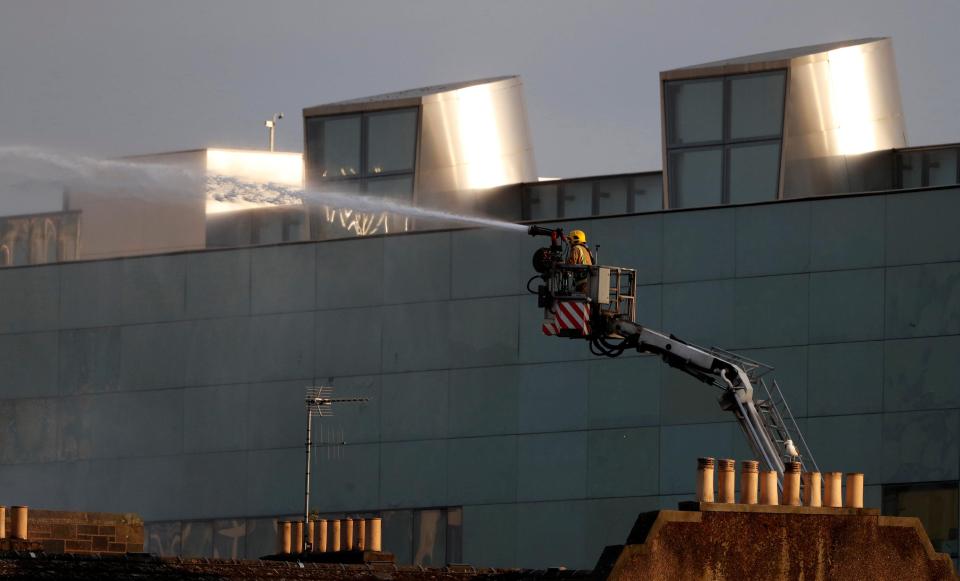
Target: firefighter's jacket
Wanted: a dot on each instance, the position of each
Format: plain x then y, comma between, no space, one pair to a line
580,254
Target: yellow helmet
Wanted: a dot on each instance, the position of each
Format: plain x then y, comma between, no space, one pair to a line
577,237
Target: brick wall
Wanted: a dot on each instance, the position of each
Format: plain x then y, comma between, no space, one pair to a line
56,531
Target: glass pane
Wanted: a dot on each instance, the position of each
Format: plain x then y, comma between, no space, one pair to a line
694,111
391,141
430,538
695,178
399,189
942,167
543,202
911,169
455,535
333,147
268,228
577,199
647,193
611,196
756,105
196,539
936,505
327,222
754,172
294,225
397,535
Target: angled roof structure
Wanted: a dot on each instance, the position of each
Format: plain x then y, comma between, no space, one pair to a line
405,98
783,54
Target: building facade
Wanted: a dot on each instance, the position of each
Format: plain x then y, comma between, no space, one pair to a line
172,385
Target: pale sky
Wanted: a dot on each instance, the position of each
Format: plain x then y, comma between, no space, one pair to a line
122,77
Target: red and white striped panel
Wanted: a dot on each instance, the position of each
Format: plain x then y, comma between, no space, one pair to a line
567,316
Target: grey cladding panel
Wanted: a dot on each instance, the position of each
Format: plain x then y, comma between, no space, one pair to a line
773,239
701,312
623,462
215,418
847,233
350,273
347,479
283,278
90,294
846,378
100,426
698,245
846,305
483,331
268,495
416,268
921,374
483,401
484,263
30,299
414,406
219,351
553,397
412,474
214,484
482,470
348,341
28,431
218,284
28,365
771,311
552,532
923,300
154,289
490,540
275,415
922,227
416,337
921,446
624,392
155,356
552,466
150,487
281,347
90,360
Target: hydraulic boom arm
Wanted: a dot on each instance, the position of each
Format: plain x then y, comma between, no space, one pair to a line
598,303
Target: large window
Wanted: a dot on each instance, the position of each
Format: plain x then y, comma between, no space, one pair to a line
935,504
361,147
605,196
723,138
427,537
929,167
371,154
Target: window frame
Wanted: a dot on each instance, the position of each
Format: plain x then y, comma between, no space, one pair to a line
726,142
923,154
363,171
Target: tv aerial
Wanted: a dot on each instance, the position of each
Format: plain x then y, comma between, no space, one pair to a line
319,402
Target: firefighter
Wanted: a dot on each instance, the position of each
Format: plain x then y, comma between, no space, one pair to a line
579,253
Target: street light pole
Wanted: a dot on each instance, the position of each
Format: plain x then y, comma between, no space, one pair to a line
271,125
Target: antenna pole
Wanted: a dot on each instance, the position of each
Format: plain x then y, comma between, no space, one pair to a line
306,489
